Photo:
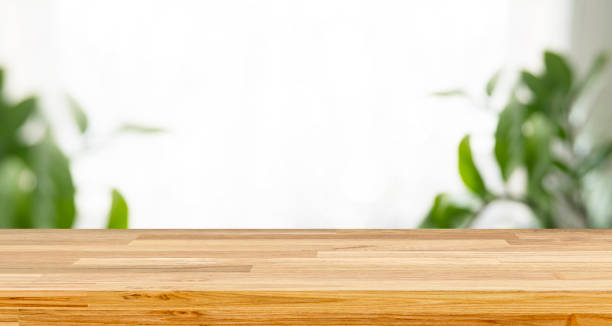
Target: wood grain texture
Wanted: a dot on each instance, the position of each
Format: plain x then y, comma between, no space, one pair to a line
306,277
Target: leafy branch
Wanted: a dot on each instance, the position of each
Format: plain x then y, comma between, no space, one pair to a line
36,183
535,134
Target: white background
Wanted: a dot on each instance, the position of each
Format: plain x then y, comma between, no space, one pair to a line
279,113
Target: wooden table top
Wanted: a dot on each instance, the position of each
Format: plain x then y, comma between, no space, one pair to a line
305,260
306,277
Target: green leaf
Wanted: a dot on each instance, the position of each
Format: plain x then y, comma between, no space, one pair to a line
22,111
593,74
563,167
53,204
538,134
3,103
509,138
14,194
118,215
78,114
16,116
597,66
450,92
533,83
492,83
595,159
558,71
446,214
128,127
468,171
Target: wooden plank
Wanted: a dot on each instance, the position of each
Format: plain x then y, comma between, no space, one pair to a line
306,277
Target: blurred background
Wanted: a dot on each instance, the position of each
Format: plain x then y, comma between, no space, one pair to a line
287,114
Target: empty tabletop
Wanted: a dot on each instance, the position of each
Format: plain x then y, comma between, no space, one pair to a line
305,277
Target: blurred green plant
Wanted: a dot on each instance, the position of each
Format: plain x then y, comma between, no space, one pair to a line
36,184
536,132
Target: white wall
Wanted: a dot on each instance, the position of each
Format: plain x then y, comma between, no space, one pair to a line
280,113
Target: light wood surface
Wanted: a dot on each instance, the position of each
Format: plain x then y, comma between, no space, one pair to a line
305,277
